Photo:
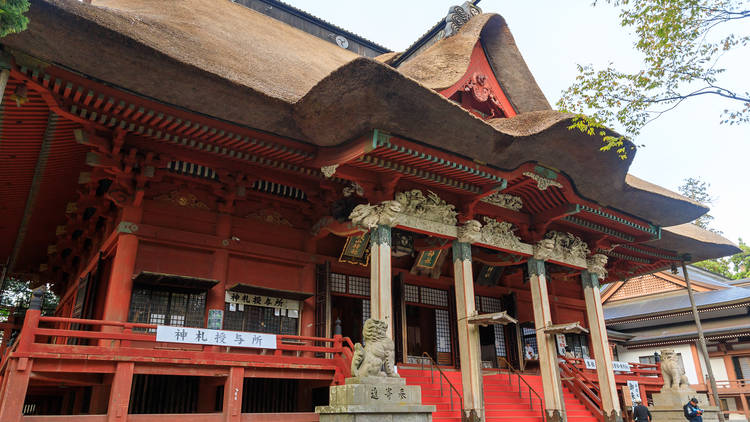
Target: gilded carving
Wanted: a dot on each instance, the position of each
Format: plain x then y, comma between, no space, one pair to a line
329,171
430,207
542,183
376,358
561,246
470,232
544,249
183,199
504,200
499,233
353,189
271,217
478,88
369,216
596,264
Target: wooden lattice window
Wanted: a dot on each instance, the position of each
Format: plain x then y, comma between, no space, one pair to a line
350,284
165,307
426,295
258,319
489,305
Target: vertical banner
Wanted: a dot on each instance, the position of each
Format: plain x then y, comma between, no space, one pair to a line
635,391
561,344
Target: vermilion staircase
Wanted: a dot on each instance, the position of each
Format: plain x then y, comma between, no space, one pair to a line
503,403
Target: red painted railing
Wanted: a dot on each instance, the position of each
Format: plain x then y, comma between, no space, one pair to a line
649,370
45,336
587,392
118,347
583,382
732,387
50,335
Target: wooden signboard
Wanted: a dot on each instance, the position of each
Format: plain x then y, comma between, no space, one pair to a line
626,396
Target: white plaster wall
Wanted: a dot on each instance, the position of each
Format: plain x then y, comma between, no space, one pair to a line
717,364
720,370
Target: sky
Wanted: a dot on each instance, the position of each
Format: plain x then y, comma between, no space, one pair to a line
554,36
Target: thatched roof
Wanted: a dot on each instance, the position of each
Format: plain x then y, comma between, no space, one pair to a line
226,61
698,243
445,62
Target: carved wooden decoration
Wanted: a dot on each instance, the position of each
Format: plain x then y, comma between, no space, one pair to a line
183,199
271,217
504,200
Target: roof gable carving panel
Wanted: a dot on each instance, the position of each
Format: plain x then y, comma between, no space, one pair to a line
478,90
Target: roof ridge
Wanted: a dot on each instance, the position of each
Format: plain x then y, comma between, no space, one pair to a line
425,37
310,16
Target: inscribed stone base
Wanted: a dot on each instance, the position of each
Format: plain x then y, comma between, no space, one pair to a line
375,399
668,405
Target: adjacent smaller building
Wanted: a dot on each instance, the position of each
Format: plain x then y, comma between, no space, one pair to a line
652,312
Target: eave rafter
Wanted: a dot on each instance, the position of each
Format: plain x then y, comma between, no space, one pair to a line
96,105
116,120
627,260
89,219
102,109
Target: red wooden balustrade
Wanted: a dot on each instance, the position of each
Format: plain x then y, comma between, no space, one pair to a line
584,390
123,348
648,370
584,383
732,387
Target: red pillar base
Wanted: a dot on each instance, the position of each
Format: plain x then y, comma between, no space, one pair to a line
233,395
119,395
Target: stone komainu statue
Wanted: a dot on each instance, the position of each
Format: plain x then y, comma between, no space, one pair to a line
674,376
376,358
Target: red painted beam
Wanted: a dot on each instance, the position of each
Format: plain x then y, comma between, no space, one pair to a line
74,418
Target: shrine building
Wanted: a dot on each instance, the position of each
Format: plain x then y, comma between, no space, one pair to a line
221,193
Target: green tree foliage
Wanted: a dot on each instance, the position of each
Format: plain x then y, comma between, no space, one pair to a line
17,293
12,19
734,267
682,42
697,190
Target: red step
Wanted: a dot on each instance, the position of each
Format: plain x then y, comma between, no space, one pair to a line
502,400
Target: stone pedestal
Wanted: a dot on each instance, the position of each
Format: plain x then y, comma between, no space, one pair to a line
375,399
668,405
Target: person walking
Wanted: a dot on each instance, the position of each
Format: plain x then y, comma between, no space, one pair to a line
641,412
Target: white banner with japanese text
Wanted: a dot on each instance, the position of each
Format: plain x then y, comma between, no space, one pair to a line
620,366
635,391
590,363
561,344
259,300
189,335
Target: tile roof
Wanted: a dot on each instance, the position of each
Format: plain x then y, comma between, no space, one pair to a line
676,303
